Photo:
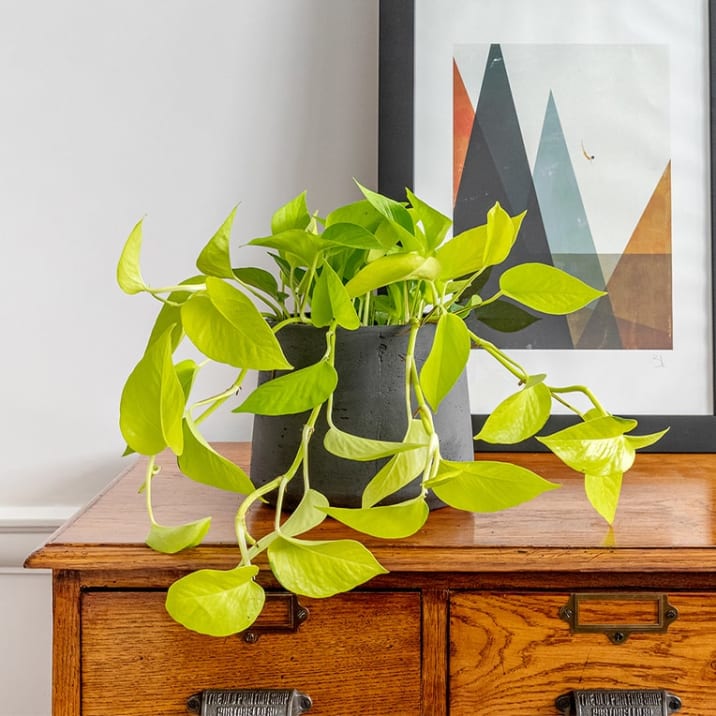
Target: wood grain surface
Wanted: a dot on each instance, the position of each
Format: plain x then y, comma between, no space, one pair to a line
512,654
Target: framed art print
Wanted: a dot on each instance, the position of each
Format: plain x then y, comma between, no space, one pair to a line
594,117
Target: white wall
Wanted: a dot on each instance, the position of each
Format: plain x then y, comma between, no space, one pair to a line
115,109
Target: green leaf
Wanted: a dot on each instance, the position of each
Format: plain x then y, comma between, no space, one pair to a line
387,522
398,216
307,515
129,275
447,359
170,314
392,268
401,469
227,327
501,234
331,301
321,568
152,402
359,212
200,462
186,371
258,278
603,493
351,235
518,417
215,257
171,540
486,485
503,316
293,215
216,602
436,224
595,447
547,289
642,441
298,247
354,447
294,392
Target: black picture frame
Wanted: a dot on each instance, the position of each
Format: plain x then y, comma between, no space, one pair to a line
687,433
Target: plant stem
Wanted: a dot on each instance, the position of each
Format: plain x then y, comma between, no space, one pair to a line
508,363
220,399
148,475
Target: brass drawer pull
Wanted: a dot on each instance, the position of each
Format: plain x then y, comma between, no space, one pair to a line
618,614
616,702
249,702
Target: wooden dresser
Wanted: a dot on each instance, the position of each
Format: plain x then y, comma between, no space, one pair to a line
480,614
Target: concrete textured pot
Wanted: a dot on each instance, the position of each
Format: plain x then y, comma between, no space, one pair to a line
369,402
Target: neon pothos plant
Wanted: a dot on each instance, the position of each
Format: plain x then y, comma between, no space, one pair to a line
375,261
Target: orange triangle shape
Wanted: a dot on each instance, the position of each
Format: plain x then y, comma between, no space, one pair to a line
652,234
463,116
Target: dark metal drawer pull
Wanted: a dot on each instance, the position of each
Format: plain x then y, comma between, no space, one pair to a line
249,702
281,613
599,612
625,702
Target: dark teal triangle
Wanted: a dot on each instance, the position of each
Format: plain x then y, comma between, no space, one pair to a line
496,169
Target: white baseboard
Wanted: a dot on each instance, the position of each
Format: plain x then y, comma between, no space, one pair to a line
24,528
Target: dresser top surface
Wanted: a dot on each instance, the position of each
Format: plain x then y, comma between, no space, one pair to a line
666,520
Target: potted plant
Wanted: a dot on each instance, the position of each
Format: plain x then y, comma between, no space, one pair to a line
371,265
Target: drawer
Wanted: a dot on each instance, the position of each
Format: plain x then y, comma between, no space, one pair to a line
512,653
356,653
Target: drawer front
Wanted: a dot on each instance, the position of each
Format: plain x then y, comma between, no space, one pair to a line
512,653
356,653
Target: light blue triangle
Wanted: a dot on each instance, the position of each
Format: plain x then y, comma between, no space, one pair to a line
563,214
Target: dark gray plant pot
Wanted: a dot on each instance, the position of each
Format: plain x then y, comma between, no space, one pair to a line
369,402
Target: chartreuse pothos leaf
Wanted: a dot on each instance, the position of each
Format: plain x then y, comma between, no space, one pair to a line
388,521
398,217
595,447
401,469
354,447
307,515
481,246
215,257
293,215
436,225
546,288
351,235
186,372
603,493
392,268
321,568
518,417
170,313
258,278
152,402
486,485
216,602
297,246
447,359
225,325
202,463
171,540
129,275
294,392
331,301
642,441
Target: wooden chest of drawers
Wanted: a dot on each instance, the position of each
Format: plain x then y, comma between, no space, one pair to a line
489,614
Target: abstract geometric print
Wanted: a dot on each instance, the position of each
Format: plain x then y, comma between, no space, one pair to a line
625,189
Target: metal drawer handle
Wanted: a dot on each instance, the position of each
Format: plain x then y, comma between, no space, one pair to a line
599,612
249,702
281,613
647,702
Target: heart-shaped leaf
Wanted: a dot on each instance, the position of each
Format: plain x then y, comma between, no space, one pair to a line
171,540
388,521
216,602
321,568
